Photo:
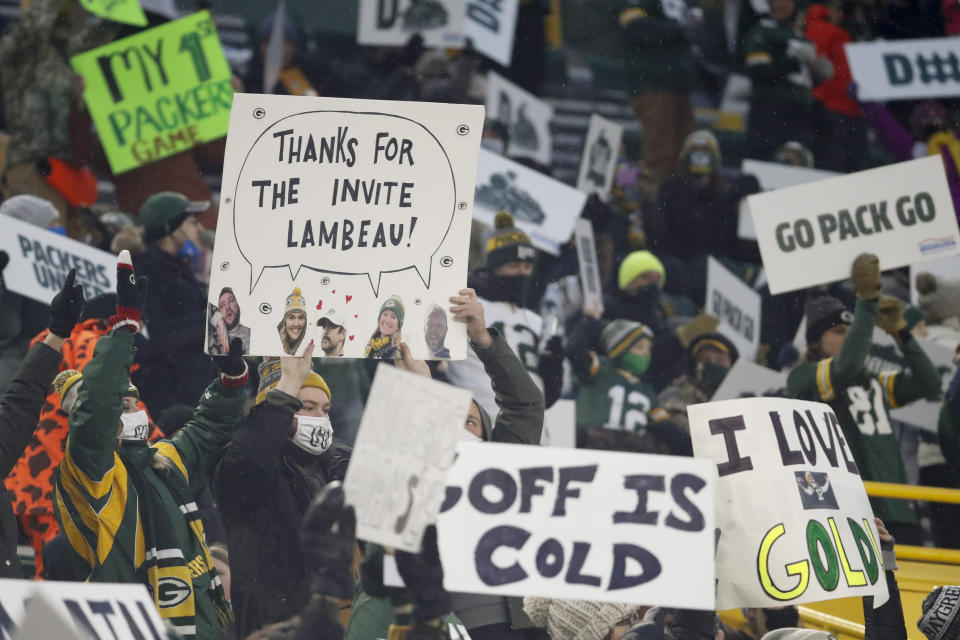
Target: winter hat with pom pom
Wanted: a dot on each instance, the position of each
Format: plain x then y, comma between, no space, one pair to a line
508,243
67,384
576,619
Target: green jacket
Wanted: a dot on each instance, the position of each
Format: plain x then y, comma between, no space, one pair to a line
862,403
656,51
129,522
776,74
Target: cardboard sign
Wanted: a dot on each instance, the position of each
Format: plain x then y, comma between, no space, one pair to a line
159,92
810,234
525,116
123,11
405,445
589,270
771,176
948,268
580,524
491,25
748,379
599,161
93,609
560,425
394,22
543,207
335,212
905,69
41,259
736,307
795,522
886,356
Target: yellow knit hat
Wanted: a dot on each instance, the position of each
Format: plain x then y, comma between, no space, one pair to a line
67,384
640,262
295,302
270,377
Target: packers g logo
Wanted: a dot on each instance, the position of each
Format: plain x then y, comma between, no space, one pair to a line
172,592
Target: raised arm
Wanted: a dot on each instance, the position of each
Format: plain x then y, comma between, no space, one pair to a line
920,378
583,339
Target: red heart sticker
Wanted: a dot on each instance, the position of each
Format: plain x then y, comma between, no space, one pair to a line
320,305
351,338
356,315
349,298
334,291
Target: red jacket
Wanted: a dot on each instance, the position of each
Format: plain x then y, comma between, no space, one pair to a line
829,39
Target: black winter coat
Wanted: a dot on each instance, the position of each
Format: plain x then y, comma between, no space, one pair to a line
263,489
19,414
175,370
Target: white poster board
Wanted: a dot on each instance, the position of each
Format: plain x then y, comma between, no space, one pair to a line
599,160
40,260
543,207
100,610
748,379
491,25
771,176
525,116
809,234
735,306
795,522
361,205
560,425
948,268
589,270
406,442
580,524
394,22
886,356
905,69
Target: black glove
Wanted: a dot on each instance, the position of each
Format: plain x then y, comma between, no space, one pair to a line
4,260
232,364
327,540
423,575
66,307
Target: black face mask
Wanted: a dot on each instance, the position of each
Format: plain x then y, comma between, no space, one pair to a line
647,297
512,289
781,618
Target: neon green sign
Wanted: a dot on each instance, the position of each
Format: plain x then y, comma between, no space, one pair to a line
159,92
125,11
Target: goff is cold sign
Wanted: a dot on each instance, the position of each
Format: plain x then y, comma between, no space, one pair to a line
795,522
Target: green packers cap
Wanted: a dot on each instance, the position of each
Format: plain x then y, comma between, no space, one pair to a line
164,212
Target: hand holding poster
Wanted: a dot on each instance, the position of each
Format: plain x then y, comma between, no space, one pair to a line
905,69
345,218
795,523
599,161
159,92
543,207
525,116
809,234
579,524
406,444
41,259
736,307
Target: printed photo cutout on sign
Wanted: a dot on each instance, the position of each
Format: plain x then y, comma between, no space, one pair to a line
344,220
527,118
223,320
393,22
601,149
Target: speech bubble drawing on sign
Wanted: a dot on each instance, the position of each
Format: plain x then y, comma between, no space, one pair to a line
337,194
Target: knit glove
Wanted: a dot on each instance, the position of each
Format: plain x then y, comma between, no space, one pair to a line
423,574
890,316
66,307
327,539
131,295
866,276
233,370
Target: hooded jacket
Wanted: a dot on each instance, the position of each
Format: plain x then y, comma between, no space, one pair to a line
519,421
829,39
263,487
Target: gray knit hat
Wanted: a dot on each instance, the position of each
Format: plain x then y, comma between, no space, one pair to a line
618,336
794,633
941,614
30,209
939,297
576,619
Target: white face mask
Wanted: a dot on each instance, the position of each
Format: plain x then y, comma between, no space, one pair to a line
466,436
135,426
314,435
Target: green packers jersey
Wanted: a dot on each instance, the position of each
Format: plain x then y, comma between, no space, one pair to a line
614,399
772,46
664,65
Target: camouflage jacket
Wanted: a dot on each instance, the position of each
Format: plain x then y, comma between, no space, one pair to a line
675,399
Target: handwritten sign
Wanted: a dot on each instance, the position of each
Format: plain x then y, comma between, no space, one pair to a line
589,270
124,11
736,307
905,69
394,22
159,92
491,25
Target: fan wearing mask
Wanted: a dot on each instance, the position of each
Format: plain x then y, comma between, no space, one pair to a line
274,466
502,287
711,357
616,408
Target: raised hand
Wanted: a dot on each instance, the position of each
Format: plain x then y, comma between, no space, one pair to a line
66,307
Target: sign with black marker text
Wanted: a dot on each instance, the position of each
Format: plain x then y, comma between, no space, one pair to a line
393,22
905,69
589,270
344,221
491,25
809,234
580,524
406,443
795,524
525,116
735,306
40,260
